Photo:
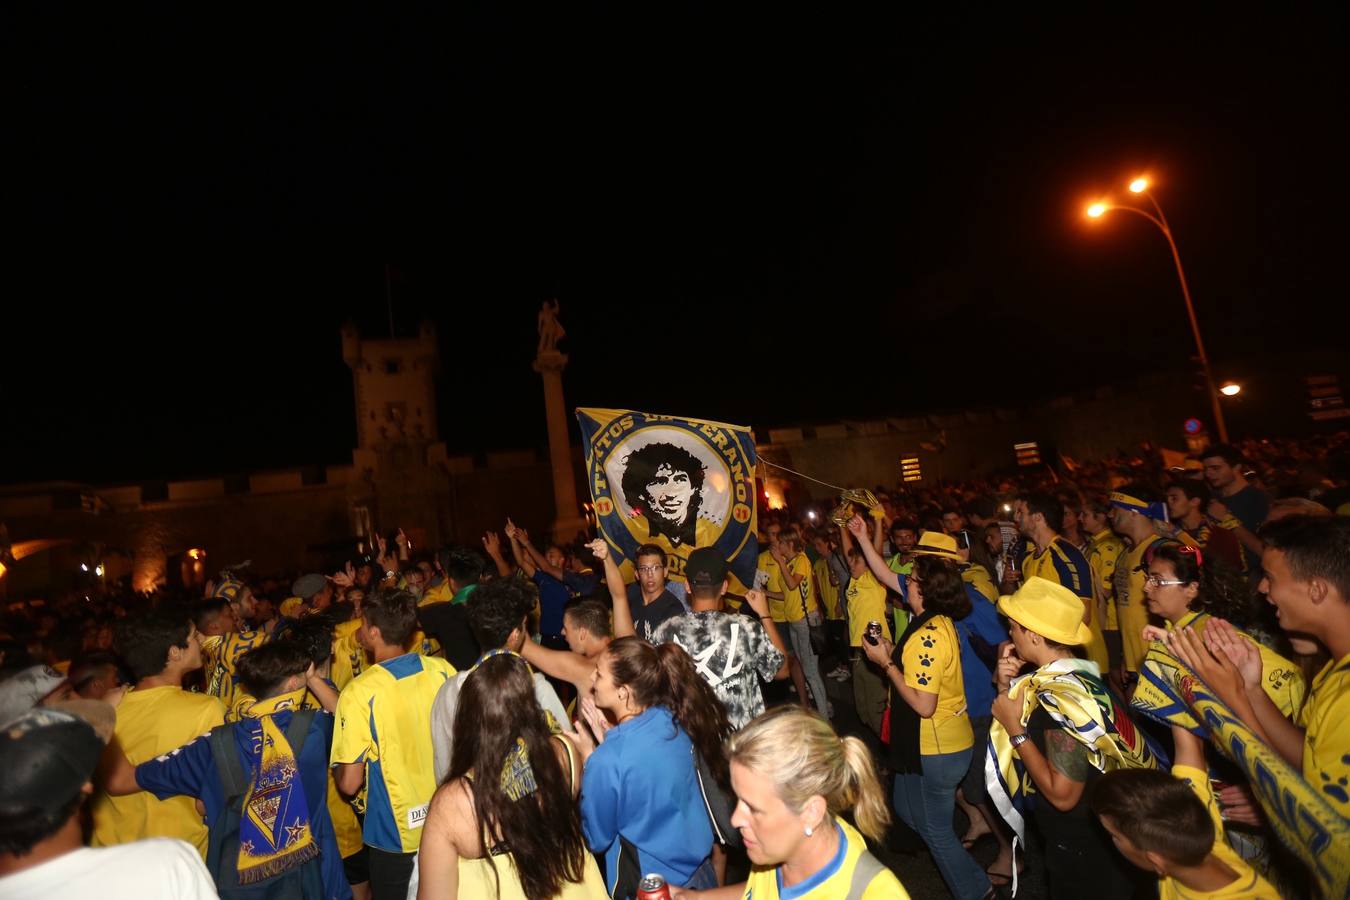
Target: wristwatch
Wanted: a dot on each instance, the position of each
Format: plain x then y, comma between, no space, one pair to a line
1018,740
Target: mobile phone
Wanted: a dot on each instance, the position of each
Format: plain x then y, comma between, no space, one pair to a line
963,539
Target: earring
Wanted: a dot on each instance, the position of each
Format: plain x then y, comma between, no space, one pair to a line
808,830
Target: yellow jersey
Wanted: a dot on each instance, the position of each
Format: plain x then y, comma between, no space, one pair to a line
441,593
798,603
1326,741
828,585
931,659
151,723
1131,604
834,881
774,585
349,657
384,721
1064,564
1103,553
220,653
1248,884
866,603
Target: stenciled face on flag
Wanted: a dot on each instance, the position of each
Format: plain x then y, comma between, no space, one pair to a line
677,483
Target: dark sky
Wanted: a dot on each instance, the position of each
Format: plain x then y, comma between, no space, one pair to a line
733,206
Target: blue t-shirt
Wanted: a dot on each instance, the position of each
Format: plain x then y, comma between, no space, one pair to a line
191,771
981,632
640,783
553,596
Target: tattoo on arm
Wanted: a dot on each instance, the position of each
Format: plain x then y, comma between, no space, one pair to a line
1067,755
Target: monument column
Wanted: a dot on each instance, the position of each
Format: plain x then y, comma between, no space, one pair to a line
549,362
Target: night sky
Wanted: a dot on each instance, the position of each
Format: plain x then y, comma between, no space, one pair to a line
734,208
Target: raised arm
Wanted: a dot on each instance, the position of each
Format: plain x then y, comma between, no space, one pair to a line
518,538
757,601
878,565
492,545
561,664
618,593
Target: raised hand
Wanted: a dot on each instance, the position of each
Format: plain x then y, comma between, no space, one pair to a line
595,718
404,545
510,529
346,578
599,549
857,527
492,544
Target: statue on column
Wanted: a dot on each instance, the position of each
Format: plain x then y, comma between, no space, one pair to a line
550,329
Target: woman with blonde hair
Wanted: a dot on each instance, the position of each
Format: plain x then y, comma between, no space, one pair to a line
794,778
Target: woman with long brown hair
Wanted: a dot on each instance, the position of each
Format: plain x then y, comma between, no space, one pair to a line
505,824
641,803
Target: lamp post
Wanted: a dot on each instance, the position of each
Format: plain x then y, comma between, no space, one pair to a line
1140,186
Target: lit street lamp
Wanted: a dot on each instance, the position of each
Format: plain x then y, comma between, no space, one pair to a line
1231,389
1140,186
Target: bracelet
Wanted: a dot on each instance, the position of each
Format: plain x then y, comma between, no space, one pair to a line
764,618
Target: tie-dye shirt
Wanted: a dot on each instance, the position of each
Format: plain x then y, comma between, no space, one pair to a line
729,651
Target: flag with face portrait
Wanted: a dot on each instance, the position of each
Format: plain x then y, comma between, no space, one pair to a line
678,483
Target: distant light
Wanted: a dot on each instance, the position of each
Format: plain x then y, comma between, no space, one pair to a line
811,514
1231,389
1139,185
83,567
1007,507
98,570
196,554
1095,210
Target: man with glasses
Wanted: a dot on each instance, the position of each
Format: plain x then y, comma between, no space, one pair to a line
654,603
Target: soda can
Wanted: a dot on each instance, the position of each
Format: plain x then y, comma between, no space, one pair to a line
873,632
653,887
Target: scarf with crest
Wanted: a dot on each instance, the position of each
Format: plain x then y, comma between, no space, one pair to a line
274,828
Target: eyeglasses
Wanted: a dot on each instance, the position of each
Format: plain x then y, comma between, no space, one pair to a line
650,570
1155,581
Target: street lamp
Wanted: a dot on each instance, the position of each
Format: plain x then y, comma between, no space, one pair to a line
1231,389
1140,186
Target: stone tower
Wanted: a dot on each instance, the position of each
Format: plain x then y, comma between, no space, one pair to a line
399,457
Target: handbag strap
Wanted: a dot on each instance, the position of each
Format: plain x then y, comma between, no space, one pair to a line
867,868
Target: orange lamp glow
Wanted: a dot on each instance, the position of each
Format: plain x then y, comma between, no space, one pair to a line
1095,210
1231,389
1139,185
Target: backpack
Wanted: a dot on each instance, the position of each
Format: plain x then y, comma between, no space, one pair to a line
222,854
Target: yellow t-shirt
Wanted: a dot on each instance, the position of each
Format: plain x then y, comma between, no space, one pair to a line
802,600
221,653
866,603
1248,884
773,585
1326,743
1103,554
829,589
349,657
151,723
384,720
832,882
441,593
1131,604
931,659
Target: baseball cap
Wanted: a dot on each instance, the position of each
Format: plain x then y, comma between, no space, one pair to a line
705,568
25,690
306,586
48,754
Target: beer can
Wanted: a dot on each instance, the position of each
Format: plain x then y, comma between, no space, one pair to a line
653,887
873,632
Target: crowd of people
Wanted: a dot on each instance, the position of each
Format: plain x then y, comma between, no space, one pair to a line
1053,667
